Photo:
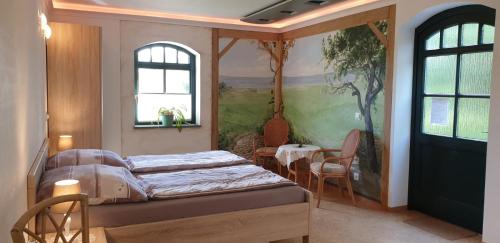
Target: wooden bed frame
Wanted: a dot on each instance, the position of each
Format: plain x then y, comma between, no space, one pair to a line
253,225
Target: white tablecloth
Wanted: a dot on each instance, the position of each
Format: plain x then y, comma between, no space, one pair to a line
289,153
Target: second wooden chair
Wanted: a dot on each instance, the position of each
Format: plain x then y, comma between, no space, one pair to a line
275,134
336,167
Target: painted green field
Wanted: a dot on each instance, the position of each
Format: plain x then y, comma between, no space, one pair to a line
242,111
324,118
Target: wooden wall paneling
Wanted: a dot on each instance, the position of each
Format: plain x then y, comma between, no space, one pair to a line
227,48
242,34
386,160
340,23
278,84
380,36
215,89
74,84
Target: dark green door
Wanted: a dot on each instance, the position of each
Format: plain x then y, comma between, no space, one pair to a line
453,66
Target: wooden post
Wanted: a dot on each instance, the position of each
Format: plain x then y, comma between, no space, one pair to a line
278,84
215,89
384,182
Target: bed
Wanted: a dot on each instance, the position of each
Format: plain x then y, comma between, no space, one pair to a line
248,216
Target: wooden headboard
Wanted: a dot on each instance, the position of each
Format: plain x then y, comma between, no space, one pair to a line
35,174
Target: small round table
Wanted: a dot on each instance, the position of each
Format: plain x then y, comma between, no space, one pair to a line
289,153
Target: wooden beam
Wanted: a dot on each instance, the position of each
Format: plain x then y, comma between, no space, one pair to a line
269,50
278,84
242,34
388,85
340,23
228,47
215,90
378,33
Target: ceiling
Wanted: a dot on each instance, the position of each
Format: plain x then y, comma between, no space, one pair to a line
211,11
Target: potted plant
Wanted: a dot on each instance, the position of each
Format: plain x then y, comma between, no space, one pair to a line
166,116
170,116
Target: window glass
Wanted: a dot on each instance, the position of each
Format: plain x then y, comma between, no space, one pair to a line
438,116
157,54
470,33
450,37
177,81
472,119
149,104
170,55
183,57
144,55
475,73
440,74
488,34
433,42
150,80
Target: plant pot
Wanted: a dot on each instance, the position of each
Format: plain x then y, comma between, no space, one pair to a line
167,120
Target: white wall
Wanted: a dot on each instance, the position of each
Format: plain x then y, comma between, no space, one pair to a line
122,138
136,34
22,104
410,14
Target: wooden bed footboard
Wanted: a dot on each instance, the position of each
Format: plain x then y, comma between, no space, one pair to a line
254,225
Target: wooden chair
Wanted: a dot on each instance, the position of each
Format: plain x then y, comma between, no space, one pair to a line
275,134
336,167
42,209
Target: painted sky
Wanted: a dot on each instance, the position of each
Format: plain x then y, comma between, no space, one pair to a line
304,59
255,63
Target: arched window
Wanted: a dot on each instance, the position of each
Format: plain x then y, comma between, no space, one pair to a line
165,76
454,70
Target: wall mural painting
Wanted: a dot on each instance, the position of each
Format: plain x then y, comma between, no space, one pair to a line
246,98
333,82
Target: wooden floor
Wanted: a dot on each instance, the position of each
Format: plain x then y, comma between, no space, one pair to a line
337,220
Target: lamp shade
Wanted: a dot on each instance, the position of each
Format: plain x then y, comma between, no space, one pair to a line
65,142
65,187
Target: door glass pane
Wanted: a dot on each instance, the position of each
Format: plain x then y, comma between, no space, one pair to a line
488,34
170,55
475,73
472,119
470,34
177,81
183,57
433,42
440,74
144,55
438,116
157,54
150,80
450,37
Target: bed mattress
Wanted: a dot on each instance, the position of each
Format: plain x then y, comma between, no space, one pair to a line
116,215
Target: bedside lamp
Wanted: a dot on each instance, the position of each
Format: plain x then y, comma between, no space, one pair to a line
65,142
61,188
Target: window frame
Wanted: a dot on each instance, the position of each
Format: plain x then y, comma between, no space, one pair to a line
458,16
165,66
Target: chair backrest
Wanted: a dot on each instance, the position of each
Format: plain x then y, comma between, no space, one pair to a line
276,132
42,209
350,147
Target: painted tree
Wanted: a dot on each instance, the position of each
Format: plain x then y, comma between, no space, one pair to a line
358,51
